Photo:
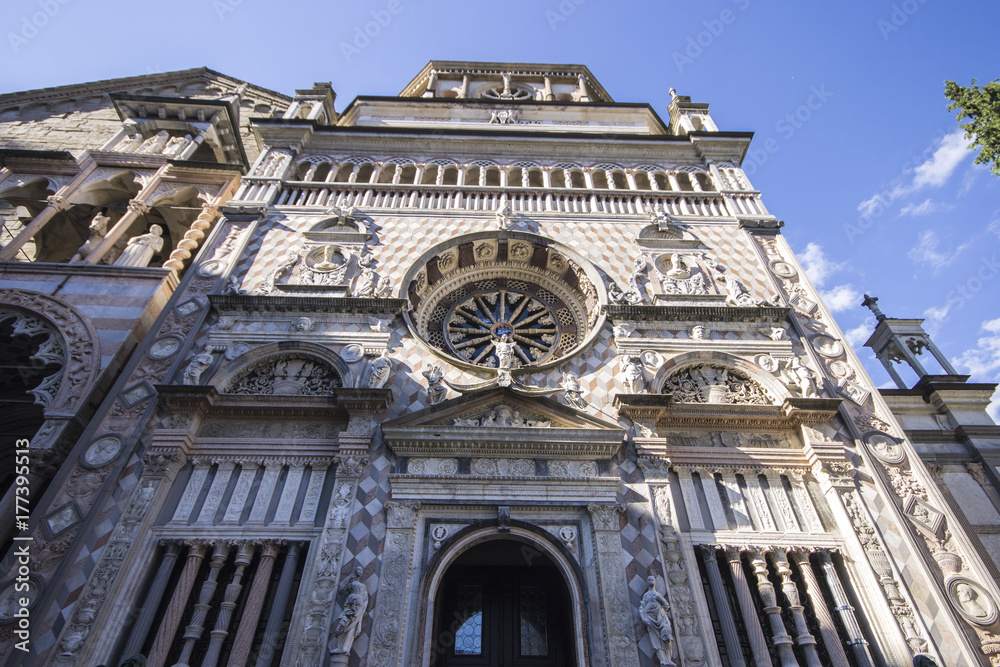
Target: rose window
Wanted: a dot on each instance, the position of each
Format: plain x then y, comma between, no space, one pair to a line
511,300
476,325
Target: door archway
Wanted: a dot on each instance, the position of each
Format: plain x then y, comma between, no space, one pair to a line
503,600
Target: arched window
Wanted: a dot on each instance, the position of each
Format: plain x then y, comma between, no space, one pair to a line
642,180
684,180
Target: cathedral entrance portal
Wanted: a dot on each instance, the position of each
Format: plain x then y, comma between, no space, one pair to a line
503,603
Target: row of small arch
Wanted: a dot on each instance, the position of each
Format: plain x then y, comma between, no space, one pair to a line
484,173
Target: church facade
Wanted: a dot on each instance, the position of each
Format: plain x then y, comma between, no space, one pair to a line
496,371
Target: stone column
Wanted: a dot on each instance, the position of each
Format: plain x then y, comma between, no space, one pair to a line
56,204
729,634
831,640
237,502
769,597
210,508
192,237
276,616
804,501
891,369
178,601
191,491
842,605
136,207
803,637
244,555
192,633
263,499
251,609
290,492
152,602
315,487
388,628
755,634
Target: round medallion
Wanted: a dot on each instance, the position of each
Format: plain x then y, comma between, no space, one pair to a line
102,451
972,601
352,353
783,269
841,370
164,347
884,447
827,346
212,267
651,359
326,259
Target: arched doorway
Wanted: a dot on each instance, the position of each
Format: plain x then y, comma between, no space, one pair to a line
503,603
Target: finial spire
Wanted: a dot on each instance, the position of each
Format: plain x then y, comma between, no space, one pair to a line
871,303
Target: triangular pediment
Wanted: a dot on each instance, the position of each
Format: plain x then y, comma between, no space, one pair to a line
501,421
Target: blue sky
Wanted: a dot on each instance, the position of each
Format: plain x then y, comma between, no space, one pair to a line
855,149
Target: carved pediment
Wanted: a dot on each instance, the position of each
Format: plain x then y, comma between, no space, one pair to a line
501,421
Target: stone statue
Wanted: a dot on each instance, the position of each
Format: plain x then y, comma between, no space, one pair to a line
155,144
98,228
572,391
504,216
197,366
653,611
140,249
364,286
637,294
633,376
177,145
504,351
129,143
348,624
380,371
384,289
678,270
801,376
616,295
435,387
656,214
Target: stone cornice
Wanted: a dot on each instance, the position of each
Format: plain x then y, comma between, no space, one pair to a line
522,442
256,303
206,400
794,412
698,313
524,491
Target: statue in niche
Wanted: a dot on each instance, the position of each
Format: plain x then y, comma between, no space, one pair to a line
801,376
572,391
155,144
633,376
140,249
98,229
197,366
177,145
381,368
505,351
435,387
637,294
348,624
678,270
654,612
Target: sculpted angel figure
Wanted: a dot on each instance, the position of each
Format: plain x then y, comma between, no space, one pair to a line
435,387
505,351
633,376
380,371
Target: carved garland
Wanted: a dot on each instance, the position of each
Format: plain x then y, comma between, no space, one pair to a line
711,383
289,374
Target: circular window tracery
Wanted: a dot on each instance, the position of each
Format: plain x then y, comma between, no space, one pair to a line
507,302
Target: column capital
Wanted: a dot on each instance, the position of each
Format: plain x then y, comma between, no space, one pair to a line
58,202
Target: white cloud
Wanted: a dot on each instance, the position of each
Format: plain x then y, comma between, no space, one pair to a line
933,172
936,171
927,251
971,176
859,334
841,297
935,318
926,207
817,266
983,361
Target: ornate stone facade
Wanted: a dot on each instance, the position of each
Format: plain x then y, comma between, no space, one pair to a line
564,399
